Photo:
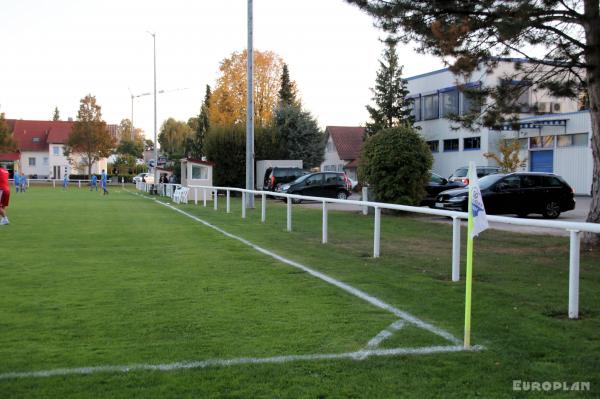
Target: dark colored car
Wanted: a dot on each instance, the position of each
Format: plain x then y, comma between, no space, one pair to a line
460,174
516,193
436,185
276,176
320,184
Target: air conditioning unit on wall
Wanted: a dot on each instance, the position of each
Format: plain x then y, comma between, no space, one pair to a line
556,107
543,107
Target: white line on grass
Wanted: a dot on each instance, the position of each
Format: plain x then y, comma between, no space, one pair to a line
385,334
348,288
358,355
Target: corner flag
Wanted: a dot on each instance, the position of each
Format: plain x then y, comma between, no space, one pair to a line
477,222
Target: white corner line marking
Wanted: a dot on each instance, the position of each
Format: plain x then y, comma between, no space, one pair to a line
348,288
358,355
385,334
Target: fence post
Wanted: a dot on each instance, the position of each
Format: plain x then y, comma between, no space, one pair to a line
228,202
243,205
324,239
122,182
289,214
204,196
216,206
574,275
365,197
196,195
263,210
79,183
53,183
455,248
377,232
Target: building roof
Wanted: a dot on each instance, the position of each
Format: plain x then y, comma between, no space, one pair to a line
348,140
36,135
9,156
199,161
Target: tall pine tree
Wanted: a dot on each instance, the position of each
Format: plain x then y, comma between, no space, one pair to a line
389,94
7,144
196,144
56,114
287,91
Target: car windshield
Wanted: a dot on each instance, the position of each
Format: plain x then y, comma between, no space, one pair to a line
300,179
461,172
487,181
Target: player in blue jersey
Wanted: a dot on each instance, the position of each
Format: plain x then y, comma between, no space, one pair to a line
17,182
103,180
94,183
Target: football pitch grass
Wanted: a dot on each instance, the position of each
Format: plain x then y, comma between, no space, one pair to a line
121,296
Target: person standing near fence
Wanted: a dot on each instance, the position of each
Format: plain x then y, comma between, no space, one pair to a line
23,182
65,182
94,183
17,182
103,179
4,195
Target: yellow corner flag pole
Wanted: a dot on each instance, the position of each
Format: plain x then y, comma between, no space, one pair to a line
469,278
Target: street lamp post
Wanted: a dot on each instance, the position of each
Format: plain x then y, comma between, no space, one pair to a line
155,144
250,112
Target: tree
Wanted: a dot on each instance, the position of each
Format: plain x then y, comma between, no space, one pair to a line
299,135
559,39
173,137
226,147
129,144
288,93
508,160
89,136
7,143
56,114
396,163
228,100
199,126
389,94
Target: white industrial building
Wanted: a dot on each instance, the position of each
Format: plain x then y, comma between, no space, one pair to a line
555,136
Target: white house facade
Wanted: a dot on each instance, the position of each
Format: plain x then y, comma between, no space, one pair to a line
554,135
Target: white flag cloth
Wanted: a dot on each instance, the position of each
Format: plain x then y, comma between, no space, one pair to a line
479,216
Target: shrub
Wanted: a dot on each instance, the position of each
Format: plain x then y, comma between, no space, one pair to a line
396,163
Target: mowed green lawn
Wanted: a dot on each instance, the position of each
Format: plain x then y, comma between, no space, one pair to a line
87,280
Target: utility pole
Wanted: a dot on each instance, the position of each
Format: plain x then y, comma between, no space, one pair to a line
250,112
155,143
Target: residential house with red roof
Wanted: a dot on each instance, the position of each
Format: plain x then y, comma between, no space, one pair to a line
342,150
41,149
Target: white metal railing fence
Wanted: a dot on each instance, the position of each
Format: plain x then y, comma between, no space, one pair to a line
60,182
574,228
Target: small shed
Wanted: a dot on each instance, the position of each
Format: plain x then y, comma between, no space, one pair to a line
196,172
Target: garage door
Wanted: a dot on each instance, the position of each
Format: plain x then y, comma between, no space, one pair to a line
542,161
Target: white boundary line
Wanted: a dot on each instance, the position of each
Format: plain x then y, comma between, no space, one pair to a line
348,288
358,355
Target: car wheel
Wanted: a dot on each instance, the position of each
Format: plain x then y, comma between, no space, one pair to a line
551,210
342,195
296,201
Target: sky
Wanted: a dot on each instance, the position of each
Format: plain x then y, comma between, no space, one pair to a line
57,51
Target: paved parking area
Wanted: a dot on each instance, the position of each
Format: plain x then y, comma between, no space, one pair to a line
579,214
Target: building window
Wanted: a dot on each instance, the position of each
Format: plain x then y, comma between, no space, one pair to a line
451,145
434,145
340,168
449,103
471,100
415,107
31,161
45,161
199,172
431,107
56,150
471,143
572,140
36,139
330,147
541,142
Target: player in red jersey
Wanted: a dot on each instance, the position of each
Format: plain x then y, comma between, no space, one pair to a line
4,195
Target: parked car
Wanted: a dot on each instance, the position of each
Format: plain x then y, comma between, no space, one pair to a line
276,176
516,193
139,177
436,185
320,184
460,174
